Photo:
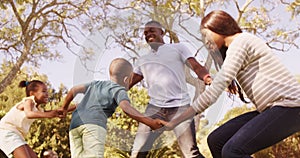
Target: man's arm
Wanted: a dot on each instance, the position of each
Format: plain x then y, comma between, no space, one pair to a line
133,79
200,70
133,113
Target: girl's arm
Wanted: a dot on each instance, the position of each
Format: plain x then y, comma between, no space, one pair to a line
28,109
133,113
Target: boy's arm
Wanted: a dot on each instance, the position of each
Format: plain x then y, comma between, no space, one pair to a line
133,79
200,70
72,108
133,113
71,95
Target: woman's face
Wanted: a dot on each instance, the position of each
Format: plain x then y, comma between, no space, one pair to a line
212,40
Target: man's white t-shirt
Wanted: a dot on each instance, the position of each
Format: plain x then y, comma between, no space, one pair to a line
163,72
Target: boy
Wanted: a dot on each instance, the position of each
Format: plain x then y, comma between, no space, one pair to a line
101,98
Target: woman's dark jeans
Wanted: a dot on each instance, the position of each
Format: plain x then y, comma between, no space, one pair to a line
248,133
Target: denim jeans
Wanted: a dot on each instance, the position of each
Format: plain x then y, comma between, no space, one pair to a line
2,154
248,133
87,141
185,133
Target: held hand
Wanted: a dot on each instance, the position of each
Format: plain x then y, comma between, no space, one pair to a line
168,125
207,80
62,113
53,113
156,124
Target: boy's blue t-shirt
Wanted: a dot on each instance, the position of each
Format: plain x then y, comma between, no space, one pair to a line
99,103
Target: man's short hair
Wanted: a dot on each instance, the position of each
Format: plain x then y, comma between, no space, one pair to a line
156,24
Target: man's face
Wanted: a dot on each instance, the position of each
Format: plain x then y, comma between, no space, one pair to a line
153,34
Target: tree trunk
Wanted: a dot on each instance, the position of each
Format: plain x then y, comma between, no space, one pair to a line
13,72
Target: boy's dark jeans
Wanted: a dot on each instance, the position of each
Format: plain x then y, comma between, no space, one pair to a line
253,131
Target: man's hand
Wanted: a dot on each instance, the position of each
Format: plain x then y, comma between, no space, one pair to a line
156,124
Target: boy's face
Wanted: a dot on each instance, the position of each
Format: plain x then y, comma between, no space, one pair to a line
127,77
126,82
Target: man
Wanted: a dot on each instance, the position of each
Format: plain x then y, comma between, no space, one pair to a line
163,71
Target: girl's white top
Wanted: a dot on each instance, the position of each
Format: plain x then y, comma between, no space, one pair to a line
16,120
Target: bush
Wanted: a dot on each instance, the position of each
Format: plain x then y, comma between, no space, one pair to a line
50,134
289,147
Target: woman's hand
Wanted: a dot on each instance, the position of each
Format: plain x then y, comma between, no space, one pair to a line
168,125
207,80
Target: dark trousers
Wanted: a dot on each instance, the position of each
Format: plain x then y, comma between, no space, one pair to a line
248,133
2,155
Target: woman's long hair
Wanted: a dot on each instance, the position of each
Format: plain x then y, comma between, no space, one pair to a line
222,23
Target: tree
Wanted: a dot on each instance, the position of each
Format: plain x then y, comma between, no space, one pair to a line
13,93
31,30
44,133
293,7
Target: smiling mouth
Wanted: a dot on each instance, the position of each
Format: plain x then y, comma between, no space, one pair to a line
151,39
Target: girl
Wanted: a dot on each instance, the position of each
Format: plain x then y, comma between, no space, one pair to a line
267,83
16,123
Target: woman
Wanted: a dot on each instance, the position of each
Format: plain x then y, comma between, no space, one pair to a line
267,83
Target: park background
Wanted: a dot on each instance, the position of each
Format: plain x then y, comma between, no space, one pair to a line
65,43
